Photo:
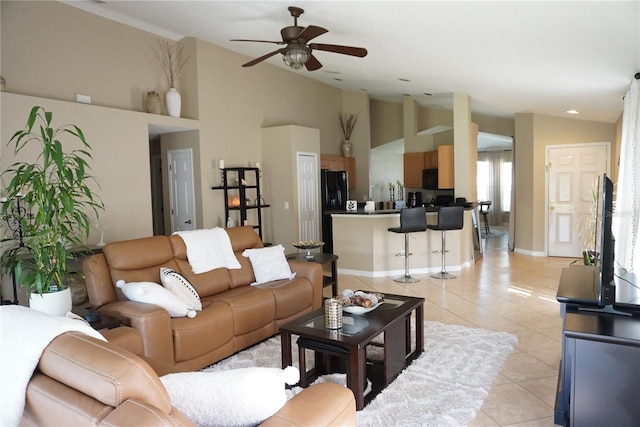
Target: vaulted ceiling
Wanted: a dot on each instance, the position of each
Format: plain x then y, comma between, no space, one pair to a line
509,56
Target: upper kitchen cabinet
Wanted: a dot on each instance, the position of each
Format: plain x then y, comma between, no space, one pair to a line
413,166
431,160
445,167
340,163
441,159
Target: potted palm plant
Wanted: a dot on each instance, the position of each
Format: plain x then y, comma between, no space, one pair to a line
55,200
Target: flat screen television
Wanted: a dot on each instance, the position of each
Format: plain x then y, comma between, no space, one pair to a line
624,297
607,289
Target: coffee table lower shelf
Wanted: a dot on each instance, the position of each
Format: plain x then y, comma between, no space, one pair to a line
336,351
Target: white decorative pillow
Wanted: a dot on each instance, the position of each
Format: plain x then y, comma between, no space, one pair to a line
269,264
238,397
152,293
179,286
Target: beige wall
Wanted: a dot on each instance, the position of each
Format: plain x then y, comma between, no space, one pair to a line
386,122
235,103
121,154
115,65
534,133
432,117
281,147
358,103
55,51
524,164
495,125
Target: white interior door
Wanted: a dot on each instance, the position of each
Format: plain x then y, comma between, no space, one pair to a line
181,193
308,196
572,172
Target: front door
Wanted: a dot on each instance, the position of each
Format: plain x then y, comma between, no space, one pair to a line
181,194
573,172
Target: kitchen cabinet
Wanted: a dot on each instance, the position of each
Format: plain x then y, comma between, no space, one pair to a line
340,163
413,166
446,177
431,160
441,159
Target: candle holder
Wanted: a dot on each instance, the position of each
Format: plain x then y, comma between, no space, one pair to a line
16,214
221,183
14,219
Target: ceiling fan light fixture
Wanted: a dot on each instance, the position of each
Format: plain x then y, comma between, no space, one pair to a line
296,55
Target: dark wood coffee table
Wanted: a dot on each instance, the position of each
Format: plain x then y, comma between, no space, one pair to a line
392,319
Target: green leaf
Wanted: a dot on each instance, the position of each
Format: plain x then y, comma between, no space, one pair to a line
56,193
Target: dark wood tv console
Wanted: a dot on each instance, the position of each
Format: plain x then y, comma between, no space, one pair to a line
599,378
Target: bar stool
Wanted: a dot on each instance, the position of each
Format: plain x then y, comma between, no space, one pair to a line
484,211
412,220
449,218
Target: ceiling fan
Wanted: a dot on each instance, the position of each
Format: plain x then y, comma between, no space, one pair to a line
298,50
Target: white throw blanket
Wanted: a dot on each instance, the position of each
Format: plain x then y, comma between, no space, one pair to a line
24,334
209,249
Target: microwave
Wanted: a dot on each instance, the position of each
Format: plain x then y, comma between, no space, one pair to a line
430,179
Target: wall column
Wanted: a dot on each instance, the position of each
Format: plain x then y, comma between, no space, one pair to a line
465,142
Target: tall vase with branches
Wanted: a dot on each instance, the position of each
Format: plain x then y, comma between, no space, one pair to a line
347,124
171,59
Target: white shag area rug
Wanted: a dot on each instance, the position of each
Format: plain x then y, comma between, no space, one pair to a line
445,386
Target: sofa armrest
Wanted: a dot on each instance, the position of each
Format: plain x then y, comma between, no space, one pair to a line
324,404
152,323
135,412
313,272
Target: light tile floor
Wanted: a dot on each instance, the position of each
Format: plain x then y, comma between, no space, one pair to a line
504,291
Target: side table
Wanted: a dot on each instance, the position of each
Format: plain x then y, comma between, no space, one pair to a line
323,259
105,322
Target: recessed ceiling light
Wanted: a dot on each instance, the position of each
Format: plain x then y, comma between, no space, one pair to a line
338,79
365,90
428,94
404,80
572,112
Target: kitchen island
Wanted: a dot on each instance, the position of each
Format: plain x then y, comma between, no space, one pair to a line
366,247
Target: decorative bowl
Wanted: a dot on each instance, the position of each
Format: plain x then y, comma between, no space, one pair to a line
307,245
356,309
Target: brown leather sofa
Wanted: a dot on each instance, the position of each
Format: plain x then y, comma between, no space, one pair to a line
82,381
235,315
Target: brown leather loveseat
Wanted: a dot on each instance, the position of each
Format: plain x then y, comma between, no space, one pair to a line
82,381
235,315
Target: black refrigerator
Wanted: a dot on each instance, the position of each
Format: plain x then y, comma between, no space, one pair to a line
335,193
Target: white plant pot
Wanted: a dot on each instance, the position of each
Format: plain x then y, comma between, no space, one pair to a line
174,102
55,303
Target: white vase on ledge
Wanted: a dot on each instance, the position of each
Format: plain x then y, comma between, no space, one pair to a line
174,102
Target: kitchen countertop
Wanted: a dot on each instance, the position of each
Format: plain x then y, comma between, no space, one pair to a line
385,211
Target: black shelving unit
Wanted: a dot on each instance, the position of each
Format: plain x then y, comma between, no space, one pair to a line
238,182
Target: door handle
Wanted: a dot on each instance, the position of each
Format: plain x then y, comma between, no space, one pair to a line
188,222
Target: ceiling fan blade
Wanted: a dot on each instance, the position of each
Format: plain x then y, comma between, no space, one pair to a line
257,41
311,32
312,63
345,50
262,58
